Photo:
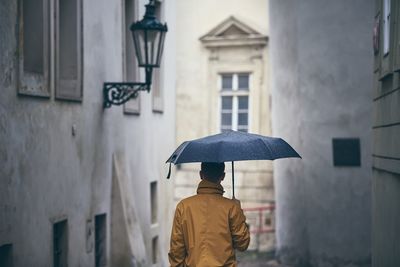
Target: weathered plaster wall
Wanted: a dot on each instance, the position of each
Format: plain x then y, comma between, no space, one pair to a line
47,173
321,76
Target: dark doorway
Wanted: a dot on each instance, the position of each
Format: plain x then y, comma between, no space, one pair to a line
60,244
100,244
6,255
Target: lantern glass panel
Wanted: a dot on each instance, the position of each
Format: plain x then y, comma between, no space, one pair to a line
161,47
140,46
153,41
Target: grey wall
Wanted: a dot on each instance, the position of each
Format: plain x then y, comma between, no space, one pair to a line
321,74
47,173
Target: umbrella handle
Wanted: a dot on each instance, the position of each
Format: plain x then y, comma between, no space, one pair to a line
233,181
169,171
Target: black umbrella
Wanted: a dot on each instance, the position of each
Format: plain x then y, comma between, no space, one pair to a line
232,146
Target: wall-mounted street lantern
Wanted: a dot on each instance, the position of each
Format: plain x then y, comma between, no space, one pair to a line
148,38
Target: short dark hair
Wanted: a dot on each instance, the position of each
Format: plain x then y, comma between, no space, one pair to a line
213,170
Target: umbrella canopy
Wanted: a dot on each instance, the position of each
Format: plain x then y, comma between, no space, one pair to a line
232,146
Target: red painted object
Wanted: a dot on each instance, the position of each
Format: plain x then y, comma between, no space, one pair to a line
258,214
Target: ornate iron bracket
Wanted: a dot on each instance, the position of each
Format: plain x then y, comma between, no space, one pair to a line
120,93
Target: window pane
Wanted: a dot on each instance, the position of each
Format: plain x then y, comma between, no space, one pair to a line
242,130
227,102
33,36
243,81
243,119
68,34
243,102
227,82
226,119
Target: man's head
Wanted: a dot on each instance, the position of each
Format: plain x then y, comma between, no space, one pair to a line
212,171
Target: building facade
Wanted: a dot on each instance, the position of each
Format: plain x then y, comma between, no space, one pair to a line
386,133
81,185
321,86
222,85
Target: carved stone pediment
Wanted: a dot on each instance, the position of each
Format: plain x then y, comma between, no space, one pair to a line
233,32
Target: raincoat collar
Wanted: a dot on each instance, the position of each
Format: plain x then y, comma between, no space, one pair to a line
207,187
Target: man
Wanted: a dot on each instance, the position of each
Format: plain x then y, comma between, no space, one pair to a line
208,227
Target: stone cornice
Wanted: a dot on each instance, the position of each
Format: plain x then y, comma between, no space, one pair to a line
233,32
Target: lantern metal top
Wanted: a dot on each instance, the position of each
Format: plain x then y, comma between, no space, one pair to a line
149,21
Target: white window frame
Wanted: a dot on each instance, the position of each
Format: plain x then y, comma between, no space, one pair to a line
235,93
386,26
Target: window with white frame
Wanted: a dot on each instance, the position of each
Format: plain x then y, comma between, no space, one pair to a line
386,26
234,102
33,48
40,21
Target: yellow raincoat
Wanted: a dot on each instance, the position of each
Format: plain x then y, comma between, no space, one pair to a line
207,229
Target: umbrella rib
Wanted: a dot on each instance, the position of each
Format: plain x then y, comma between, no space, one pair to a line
270,150
219,149
184,145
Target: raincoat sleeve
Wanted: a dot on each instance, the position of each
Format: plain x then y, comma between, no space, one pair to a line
177,251
239,230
